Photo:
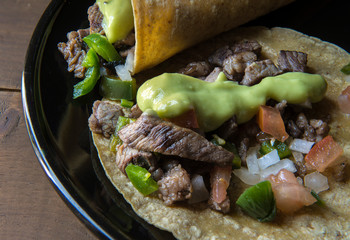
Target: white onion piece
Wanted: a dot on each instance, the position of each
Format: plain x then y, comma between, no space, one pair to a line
268,159
316,181
246,176
347,78
129,63
199,191
252,160
344,103
298,156
274,169
123,73
301,145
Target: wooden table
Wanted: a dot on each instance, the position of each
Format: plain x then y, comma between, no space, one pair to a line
29,206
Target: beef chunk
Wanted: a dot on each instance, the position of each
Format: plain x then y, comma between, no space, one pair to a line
95,18
292,61
128,41
281,106
258,70
104,117
73,52
293,129
151,134
234,65
196,69
243,149
321,127
126,155
223,207
228,129
219,56
247,46
175,186
213,75
135,111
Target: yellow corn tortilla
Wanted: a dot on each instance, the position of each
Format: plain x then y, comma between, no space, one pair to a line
314,222
164,28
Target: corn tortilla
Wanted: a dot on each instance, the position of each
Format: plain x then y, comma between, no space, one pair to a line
164,28
331,222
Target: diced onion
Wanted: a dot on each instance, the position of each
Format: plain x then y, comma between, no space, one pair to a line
246,176
124,71
274,169
301,145
268,159
252,160
199,191
316,181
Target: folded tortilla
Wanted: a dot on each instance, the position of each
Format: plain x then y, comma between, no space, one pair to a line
314,222
164,28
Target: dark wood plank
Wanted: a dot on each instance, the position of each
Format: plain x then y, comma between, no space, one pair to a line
29,206
17,22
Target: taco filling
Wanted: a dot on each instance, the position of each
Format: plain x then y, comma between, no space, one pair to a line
236,114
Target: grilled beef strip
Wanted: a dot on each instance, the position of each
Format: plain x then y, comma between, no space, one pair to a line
151,134
74,52
175,185
258,70
292,61
218,57
234,65
196,69
247,46
104,117
126,155
95,18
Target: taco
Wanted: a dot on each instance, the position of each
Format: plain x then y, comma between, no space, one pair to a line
157,30
181,173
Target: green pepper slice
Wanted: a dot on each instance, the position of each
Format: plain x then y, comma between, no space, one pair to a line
229,146
115,139
91,76
282,148
126,103
141,179
102,46
114,88
259,202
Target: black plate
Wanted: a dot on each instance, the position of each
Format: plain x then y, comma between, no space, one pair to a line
58,126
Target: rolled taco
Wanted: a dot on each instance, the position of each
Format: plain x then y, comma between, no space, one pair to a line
179,170
157,30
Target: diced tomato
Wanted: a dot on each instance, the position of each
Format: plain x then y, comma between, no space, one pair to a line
220,180
324,154
271,122
289,194
187,120
344,100
292,197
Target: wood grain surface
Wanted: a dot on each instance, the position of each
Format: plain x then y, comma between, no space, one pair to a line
29,206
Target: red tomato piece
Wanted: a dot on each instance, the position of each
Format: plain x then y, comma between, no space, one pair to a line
271,122
324,154
289,194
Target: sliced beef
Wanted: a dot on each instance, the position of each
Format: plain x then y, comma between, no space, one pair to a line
258,70
243,149
128,41
95,18
104,117
293,129
223,207
292,61
281,106
247,46
219,56
126,52
151,134
213,75
135,111
73,52
126,155
234,65
175,186
196,69
228,129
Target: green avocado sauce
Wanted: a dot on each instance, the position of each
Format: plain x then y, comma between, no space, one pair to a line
118,19
172,94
